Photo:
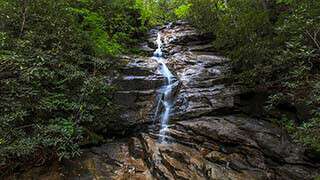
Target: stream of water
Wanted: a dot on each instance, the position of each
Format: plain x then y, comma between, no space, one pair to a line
165,93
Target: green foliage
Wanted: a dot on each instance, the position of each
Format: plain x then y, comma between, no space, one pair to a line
244,33
182,11
45,107
308,133
161,11
97,112
56,59
57,56
203,14
146,8
273,45
3,39
92,26
285,1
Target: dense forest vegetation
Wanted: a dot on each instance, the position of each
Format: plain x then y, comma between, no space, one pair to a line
274,47
56,57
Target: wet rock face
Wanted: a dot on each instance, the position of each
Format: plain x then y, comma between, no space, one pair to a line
201,72
137,82
208,138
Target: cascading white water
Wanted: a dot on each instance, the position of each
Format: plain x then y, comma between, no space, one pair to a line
158,53
165,93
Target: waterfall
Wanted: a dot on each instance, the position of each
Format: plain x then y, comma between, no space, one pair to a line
165,93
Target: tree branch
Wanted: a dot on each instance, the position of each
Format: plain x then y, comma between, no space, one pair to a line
314,39
24,15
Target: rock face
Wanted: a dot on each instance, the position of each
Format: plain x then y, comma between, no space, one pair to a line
208,137
138,82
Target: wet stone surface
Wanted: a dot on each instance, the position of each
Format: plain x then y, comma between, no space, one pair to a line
207,137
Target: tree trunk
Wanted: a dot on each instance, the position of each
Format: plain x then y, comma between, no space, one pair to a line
264,4
24,5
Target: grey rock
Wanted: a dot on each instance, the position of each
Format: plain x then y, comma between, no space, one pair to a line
207,137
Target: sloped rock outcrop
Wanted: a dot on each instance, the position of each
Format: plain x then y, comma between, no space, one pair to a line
208,137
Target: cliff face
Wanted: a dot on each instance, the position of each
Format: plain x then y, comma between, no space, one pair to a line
207,138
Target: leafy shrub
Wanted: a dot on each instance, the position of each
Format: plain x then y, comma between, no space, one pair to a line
56,59
161,11
203,14
274,46
182,11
